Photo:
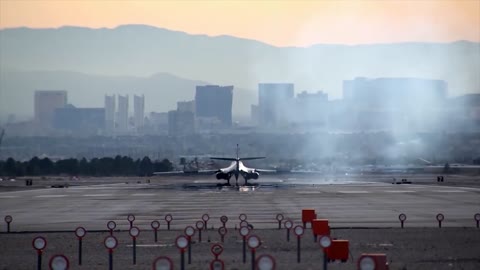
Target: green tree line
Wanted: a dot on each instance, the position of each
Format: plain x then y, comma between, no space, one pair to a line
106,166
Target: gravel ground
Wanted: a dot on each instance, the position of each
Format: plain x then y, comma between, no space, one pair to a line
409,248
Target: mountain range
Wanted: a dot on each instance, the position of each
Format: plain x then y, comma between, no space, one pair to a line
166,65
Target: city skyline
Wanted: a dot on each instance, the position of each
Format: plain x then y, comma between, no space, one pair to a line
303,23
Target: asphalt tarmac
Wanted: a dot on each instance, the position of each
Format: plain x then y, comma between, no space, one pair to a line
347,201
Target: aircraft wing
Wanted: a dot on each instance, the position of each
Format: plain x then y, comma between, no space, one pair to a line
192,172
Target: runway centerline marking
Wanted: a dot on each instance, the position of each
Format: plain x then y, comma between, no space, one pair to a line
97,195
400,191
8,197
449,191
51,196
143,194
353,191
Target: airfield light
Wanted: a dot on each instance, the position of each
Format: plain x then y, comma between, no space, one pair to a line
253,243
217,264
222,231
298,230
244,231
8,220
440,218
80,232
199,224
111,225
155,226
162,263
266,262
189,232
59,262
477,219
216,250
242,217
279,218
288,225
110,243
134,232
366,263
402,217
224,220
131,219
205,219
168,219
182,242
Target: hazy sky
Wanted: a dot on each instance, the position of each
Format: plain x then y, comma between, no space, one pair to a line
281,23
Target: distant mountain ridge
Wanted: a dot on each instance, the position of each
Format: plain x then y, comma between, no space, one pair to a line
139,51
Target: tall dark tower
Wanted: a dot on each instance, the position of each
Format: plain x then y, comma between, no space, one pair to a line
214,101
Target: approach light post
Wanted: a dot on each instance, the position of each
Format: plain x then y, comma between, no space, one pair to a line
182,242
134,233
288,225
168,219
205,219
243,223
39,243
266,262
155,226
111,225
242,217
440,218
216,250
366,263
162,263
59,262
199,226
8,220
224,220
244,231
80,232
110,243
222,231
217,264
131,219
253,243
402,217
325,242
298,230
189,232
279,218
477,219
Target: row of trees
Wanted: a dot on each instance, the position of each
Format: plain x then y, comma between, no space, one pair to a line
107,166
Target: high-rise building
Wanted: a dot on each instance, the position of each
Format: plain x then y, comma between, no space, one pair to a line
181,123
213,101
122,114
139,111
85,121
186,106
46,102
110,113
275,101
311,109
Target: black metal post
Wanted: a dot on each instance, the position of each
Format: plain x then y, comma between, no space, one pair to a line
199,236
325,261
80,251
439,224
111,232
298,249
134,250
110,260
8,227
131,224
253,259
39,261
168,225
478,224
279,224
182,260
288,235
244,250
205,223
314,238
222,237
189,251
156,236
402,224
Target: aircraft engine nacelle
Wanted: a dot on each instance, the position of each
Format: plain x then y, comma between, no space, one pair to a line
253,175
221,175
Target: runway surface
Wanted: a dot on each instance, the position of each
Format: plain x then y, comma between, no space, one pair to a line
357,203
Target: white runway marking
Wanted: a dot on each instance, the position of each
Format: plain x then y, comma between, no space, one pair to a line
449,191
8,197
309,192
97,195
400,191
353,191
143,194
51,196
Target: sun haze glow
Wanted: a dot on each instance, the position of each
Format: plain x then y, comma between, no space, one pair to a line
280,23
